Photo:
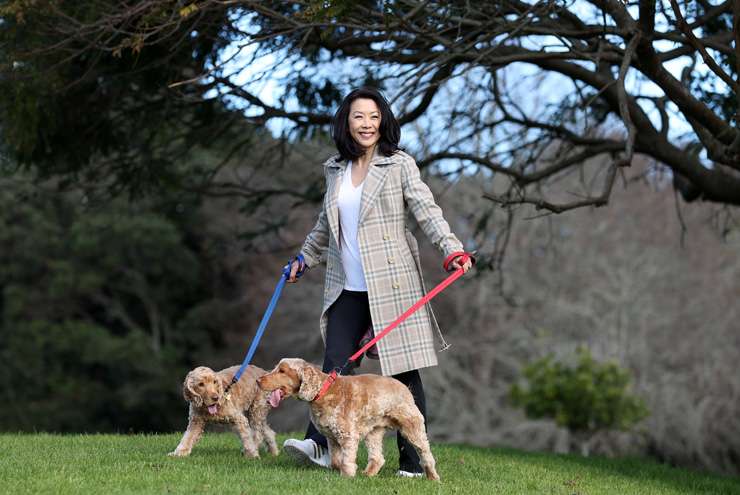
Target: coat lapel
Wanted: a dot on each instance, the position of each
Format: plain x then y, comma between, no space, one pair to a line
332,189
376,175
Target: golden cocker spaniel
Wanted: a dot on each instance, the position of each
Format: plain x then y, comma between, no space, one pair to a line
245,407
354,408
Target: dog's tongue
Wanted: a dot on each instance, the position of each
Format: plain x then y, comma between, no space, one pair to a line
213,409
275,397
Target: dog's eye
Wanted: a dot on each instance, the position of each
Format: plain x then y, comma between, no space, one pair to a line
200,384
280,371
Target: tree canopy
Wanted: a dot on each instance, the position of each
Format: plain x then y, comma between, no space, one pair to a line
526,90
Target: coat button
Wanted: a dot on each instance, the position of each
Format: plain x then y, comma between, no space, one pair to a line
386,237
395,285
391,260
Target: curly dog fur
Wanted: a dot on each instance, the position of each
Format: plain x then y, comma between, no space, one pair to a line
354,408
245,408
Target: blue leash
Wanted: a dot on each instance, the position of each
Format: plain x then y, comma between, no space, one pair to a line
266,317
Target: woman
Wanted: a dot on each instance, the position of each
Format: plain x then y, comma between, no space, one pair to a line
373,272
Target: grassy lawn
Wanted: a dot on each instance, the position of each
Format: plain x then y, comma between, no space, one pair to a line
112,464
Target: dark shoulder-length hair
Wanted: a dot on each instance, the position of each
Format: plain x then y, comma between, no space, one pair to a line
390,130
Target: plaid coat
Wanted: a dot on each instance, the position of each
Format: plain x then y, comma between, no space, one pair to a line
389,253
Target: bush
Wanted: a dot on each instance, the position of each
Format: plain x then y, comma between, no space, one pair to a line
585,398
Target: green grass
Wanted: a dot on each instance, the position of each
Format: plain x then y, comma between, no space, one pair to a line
113,464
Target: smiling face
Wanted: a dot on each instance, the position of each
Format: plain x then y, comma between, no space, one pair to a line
364,123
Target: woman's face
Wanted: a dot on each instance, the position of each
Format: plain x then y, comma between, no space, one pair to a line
364,122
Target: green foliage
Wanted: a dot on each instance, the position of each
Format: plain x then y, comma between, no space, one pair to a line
101,313
587,397
724,101
66,110
325,10
312,95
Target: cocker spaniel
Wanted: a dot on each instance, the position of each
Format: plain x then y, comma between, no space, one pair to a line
354,408
245,407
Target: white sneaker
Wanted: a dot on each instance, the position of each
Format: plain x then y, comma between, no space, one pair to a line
408,474
307,452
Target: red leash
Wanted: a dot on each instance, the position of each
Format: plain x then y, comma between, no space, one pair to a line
421,302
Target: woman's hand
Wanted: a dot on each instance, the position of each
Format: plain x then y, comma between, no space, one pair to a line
295,267
455,264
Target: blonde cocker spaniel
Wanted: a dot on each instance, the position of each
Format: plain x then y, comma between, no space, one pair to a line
354,408
245,407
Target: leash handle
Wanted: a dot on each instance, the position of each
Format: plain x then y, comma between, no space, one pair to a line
301,266
457,254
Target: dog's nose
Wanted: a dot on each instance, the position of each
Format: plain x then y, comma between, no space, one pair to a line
214,398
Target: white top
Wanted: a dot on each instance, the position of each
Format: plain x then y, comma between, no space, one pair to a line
348,202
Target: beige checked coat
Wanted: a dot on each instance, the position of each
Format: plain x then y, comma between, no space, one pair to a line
389,253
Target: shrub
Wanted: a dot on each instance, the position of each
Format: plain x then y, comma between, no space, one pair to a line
585,398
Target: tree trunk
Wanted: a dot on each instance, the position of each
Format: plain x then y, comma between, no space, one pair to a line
582,442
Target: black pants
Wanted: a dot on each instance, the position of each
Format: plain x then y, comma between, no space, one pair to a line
349,318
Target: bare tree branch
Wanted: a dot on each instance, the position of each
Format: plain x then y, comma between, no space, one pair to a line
541,204
683,26
624,110
440,63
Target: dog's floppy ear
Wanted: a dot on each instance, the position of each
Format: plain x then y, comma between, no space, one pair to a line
310,382
187,389
224,381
